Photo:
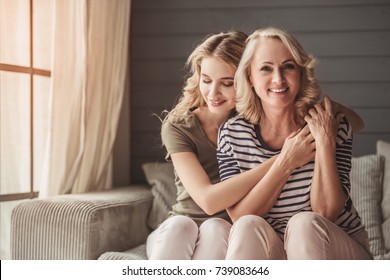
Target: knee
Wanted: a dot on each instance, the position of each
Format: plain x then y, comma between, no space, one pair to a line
250,224
306,227
177,226
253,238
303,222
306,236
216,225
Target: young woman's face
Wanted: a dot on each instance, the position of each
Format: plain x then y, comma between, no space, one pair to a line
217,85
274,74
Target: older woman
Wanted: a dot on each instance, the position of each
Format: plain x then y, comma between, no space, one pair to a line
301,213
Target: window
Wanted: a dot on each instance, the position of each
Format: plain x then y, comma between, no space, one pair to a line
25,48
25,59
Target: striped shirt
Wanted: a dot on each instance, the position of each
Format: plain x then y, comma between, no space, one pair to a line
240,148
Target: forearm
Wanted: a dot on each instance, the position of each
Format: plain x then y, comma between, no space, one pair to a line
214,198
227,193
326,196
264,195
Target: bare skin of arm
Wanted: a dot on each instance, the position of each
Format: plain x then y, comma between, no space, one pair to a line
297,150
354,119
326,196
214,198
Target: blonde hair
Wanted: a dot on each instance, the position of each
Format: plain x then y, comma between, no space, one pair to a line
227,46
248,103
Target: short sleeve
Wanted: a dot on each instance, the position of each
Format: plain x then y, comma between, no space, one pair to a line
344,133
344,155
175,140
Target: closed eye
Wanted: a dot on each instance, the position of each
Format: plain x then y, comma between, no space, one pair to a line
227,82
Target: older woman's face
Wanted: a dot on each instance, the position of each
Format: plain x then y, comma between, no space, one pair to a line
274,74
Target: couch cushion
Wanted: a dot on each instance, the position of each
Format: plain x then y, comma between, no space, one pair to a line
366,193
386,234
160,175
137,253
383,149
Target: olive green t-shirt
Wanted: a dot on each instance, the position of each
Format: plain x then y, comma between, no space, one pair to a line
185,134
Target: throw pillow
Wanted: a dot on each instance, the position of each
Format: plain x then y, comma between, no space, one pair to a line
383,149
366,193
160,176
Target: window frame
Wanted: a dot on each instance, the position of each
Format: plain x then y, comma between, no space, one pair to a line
32,71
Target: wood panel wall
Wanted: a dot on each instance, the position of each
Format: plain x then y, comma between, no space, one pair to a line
351,39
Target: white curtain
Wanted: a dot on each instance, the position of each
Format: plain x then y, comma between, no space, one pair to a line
88,80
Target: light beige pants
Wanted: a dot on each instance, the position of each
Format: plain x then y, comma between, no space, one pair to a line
180,238
308,236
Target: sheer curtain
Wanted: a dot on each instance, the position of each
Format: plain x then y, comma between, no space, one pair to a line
88,80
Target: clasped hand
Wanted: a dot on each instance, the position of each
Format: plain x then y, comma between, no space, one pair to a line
321,129
323,123
299,148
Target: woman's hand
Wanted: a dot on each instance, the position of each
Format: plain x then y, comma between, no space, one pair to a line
298,148
323,124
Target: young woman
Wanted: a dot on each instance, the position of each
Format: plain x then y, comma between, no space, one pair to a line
293,213
198,226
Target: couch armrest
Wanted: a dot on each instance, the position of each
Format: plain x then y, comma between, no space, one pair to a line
80,226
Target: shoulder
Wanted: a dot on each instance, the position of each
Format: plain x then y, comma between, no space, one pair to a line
182,129
180,134
181,122
236,128
236,122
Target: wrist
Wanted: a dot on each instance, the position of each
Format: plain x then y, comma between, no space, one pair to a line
324,151
325,143
286,165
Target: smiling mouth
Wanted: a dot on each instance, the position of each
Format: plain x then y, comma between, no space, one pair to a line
278,90
217,102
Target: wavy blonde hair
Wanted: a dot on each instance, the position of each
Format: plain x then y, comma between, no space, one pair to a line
248,103
227,46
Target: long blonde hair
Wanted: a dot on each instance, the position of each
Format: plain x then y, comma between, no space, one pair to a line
248,103
227,46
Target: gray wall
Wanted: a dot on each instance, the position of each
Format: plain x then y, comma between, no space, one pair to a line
351,38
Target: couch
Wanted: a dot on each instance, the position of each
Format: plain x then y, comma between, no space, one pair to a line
114,224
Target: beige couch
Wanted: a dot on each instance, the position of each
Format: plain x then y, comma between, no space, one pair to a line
114,224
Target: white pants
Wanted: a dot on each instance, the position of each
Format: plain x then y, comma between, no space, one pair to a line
180,238
308,236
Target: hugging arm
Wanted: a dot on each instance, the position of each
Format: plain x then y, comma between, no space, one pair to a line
212,198
297,150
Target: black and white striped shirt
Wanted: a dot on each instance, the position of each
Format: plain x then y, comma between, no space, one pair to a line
240,148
